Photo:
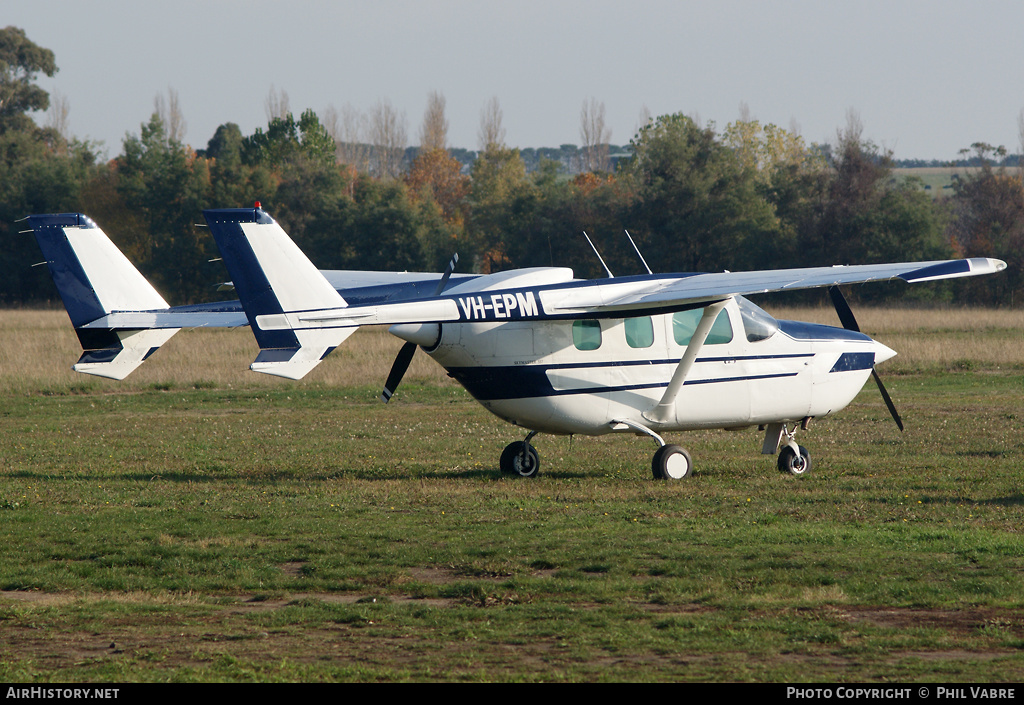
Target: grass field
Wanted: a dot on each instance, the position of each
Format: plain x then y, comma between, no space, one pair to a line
197,522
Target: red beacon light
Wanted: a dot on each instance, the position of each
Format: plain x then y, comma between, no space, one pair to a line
258,206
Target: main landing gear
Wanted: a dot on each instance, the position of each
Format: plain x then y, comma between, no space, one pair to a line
671,463
520,458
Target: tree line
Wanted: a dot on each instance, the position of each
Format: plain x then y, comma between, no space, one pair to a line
694,197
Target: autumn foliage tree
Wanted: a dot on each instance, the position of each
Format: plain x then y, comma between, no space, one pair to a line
438,175
988,221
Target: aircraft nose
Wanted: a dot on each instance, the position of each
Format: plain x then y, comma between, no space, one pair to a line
882,352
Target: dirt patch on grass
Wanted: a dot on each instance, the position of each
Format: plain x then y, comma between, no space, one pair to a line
961,622
252,636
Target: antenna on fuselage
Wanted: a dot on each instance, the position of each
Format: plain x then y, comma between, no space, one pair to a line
637,251
610,275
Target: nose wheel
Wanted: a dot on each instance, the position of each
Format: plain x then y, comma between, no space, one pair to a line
793,463
793,459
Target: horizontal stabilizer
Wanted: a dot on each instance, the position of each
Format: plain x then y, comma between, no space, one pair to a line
296,363
130,349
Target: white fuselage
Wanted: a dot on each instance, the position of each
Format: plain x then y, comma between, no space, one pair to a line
534,373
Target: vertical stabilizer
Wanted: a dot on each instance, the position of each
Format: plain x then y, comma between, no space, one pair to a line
95,279
272,276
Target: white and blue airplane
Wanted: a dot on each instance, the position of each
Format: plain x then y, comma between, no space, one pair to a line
645,354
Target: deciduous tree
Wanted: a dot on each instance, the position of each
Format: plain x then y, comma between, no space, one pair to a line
389,138
698,208
594,137
434,132
988,221
491,132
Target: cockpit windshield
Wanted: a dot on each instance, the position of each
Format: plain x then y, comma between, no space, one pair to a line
758,324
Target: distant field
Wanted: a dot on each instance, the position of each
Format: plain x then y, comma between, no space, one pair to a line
198,522
938,180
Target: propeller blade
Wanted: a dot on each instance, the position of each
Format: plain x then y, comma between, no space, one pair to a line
849,322
402,362
398,370
843,309
888,401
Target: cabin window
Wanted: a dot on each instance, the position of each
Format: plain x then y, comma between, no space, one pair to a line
586,334
640,332
758,323
684,323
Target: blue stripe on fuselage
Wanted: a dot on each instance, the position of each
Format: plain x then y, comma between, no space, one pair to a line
529,381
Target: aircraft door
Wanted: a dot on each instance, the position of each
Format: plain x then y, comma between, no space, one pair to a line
717,391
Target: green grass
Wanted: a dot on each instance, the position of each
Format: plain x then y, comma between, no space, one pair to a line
304,532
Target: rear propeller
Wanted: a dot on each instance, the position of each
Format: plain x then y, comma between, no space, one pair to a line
404,358
849,322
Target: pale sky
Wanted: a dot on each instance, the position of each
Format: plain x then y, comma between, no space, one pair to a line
926,78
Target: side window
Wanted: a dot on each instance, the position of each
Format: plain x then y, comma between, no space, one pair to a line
640,332
757,322
586,334
684,323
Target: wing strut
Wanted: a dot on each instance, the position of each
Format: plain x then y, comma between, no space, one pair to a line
664,412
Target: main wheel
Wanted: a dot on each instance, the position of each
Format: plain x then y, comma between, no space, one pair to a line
519,458
793,464
671,463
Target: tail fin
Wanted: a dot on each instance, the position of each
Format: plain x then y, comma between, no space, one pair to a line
95,279
273,277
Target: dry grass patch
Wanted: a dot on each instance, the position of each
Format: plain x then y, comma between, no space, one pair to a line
950,338
38,348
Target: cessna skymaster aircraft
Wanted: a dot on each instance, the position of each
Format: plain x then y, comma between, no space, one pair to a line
642,354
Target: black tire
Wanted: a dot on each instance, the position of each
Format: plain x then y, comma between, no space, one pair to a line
519,458
792,464
671,463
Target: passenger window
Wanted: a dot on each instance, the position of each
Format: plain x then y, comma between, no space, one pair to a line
640,332
684,323
586,334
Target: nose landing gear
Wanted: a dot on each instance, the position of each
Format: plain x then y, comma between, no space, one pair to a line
793,462
793,459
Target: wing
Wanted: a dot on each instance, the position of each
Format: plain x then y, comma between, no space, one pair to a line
644,294
528,294
548,294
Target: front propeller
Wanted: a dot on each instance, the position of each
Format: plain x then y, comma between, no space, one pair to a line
404,358
849,322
